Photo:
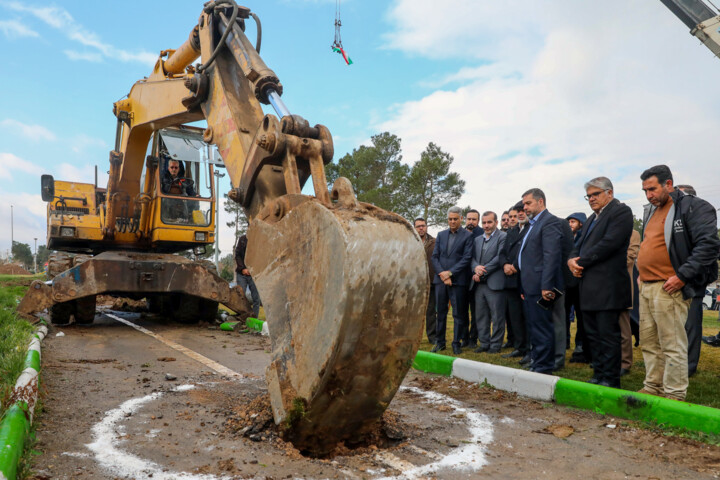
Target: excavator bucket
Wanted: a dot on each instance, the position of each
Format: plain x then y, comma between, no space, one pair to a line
345,290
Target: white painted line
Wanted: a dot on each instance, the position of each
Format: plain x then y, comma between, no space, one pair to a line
107,438
534,385
393,461
212,364
470,457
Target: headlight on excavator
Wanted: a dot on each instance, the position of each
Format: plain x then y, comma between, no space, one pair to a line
67,231
200,236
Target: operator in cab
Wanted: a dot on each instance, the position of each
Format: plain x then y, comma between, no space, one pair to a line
173,184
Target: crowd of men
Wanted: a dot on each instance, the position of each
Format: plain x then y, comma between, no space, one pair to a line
532,274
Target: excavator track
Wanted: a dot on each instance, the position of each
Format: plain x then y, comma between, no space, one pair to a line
345,291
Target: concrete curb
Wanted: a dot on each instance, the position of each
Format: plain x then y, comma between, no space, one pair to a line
16,422
571,393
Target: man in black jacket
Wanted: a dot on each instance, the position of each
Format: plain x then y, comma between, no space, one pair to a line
508,256
678,257
600,261
244,279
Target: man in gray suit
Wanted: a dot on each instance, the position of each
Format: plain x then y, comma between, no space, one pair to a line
489,283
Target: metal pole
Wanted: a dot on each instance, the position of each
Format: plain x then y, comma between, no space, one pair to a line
218,175
12,231
35,256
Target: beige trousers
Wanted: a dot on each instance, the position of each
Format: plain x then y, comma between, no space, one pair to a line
663,340
626,345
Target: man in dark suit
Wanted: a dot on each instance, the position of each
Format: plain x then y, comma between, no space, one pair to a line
470,338
508,256
451,261
572,297
488,282
539,264
600,261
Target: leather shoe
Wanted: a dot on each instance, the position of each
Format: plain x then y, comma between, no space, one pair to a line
494,350
624,371
594,380
438,348
712,340
513,354
481,349
507,345
525,360
457,350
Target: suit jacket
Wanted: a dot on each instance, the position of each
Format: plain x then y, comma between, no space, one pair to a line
487,254
567,248
603,248
456,261
509,253
541,257
429,245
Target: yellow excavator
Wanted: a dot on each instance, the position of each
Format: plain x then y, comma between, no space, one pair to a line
344,283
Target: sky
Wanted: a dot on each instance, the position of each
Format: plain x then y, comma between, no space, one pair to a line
522,93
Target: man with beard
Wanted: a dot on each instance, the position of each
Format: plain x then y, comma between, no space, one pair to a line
517,221
431,312
541,277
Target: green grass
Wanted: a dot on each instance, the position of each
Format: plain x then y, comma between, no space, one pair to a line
15,333
15,336
703,388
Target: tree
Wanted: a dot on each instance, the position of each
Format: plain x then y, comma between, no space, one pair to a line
376,172
42,256
227,267
432,188
21,253
238,220
637,224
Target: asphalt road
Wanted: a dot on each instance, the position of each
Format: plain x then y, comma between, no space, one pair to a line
140,397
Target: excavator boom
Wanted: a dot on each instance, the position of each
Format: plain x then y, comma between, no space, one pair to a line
344,283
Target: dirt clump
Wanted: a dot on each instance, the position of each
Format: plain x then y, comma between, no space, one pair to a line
12,269
254,420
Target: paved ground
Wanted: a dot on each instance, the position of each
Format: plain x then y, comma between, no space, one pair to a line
111,412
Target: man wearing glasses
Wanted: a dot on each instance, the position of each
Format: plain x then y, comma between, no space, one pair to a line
173,184
600,261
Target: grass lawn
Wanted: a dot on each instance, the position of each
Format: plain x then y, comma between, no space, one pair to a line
15,333
703,388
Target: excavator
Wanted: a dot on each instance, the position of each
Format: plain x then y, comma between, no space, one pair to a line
344,283
700,18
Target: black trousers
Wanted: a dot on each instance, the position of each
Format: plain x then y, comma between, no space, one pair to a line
457,296
472,338
602,329
542,335
516,321
572,299
431,317
693,329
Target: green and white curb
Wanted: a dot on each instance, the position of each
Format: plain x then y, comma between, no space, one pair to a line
571,393
15,424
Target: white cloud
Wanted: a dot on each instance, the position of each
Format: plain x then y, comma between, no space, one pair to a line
81,174
62,20
33,132
10,162
571,92
81,143
28,219
83,56
14,29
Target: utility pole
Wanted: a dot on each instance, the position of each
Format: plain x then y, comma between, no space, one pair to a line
12,231
218,175
35,256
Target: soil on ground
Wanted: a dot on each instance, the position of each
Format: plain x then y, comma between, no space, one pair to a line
120,404
12,269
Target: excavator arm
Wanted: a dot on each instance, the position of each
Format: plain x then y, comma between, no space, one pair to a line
344,283
700,18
